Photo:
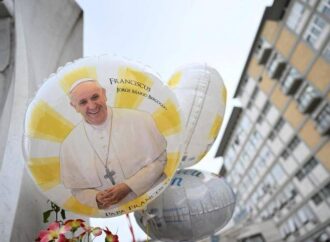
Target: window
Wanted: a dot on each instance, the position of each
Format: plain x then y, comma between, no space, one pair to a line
271,136
263,51
249,105
281,201
325,191
306,215
256,138
290,191
317,199
254,238
291,81
239,168
326,52
306,169
324,237
230,156
324,7
254,94
260,119
276,66
292,225
297,17
290,148
310,2
316,31
300,175
308,99
245,158
260,164
309,166
297,221
279,125
278,172
323,120
302,216
294,143
266,154
242,86
250,149
269,184
246,123
253,173
310,214
266,108
285,154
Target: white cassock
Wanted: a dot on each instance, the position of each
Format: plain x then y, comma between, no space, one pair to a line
136,154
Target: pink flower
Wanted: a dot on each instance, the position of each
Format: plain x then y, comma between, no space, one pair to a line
96,231
110,237
55,232
75,224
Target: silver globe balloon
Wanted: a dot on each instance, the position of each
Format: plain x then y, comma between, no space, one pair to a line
195,205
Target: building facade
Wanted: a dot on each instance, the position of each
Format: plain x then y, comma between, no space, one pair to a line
276,147
36,37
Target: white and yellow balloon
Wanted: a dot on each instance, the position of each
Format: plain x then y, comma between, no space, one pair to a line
202,97
50,119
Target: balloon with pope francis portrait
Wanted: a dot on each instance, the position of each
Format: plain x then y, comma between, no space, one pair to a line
102,136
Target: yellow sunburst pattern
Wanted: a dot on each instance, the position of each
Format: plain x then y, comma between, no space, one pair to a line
215,127
46,123
74,205
46,171
175,79
224,94
131,88
172,163
168,120
71,77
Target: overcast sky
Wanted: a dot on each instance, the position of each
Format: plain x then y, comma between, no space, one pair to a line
165,34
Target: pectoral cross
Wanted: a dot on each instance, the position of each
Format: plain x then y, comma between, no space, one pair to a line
109,174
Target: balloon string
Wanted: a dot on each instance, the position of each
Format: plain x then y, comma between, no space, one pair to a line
131,227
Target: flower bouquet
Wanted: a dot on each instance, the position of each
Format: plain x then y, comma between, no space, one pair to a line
73,230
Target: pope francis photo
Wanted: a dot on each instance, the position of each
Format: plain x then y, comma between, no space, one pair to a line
113,155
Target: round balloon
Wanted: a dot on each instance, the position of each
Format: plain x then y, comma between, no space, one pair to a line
202,97
102,136
195,205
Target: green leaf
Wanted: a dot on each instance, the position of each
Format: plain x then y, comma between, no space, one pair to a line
55,207
46,215
63,214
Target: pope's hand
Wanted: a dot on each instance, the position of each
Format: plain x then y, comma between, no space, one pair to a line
112,195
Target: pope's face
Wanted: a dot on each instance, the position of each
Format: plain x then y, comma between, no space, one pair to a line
89,100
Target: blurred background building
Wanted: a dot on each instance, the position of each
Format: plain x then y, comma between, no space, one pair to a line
35,38
276,146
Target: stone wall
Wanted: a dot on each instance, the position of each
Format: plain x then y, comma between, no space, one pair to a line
36,37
